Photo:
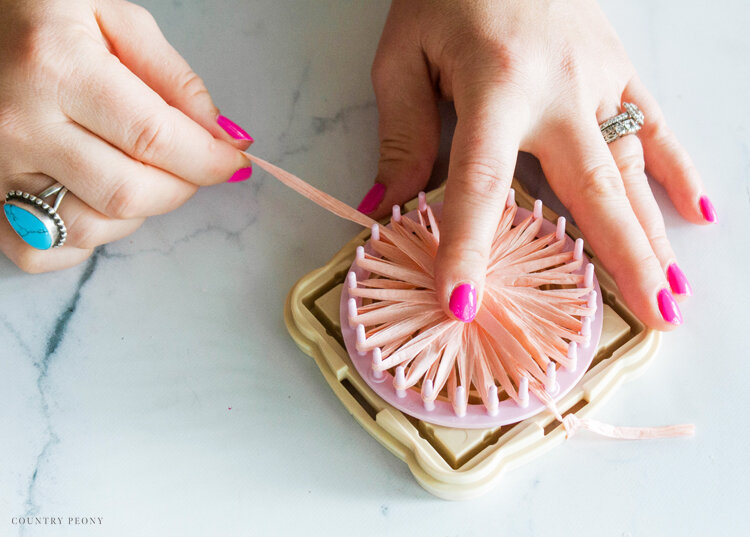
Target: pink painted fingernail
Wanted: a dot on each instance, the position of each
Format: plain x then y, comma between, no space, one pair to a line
707,208
677,281
372,199
233,130
668,307
463,302
243,174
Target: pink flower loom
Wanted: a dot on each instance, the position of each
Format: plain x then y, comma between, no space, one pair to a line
533,338
535,333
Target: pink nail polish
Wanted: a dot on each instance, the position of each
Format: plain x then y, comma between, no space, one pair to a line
707,208
668,307
463,302
677,281
243,174
372,199
234,130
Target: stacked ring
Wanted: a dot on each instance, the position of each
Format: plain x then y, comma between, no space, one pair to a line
628,122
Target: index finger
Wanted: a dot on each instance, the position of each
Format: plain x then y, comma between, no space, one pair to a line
117,106
483,157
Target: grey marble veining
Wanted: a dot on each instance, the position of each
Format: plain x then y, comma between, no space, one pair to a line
156,387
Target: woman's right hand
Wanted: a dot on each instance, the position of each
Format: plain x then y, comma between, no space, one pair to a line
93,96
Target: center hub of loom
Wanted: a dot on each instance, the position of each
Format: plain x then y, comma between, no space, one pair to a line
535,339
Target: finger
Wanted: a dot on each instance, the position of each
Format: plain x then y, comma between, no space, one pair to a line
491,122
585,177
409,124
628,155
138,42
19,252
107,180
37,261
86,228
667,161
114,104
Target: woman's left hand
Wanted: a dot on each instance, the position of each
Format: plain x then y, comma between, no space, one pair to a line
538,77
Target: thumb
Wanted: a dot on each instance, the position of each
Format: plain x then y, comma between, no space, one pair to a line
483,157
136,39
409,127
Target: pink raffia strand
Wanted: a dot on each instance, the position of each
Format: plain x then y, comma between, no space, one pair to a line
533,307
573,424
521,327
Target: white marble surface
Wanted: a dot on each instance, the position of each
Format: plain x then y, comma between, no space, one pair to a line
117,377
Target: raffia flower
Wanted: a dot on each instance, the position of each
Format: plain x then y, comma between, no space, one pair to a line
536,311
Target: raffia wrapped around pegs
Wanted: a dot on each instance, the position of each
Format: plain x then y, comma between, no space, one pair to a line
540,304
541,313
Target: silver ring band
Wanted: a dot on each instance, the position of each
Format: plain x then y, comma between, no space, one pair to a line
628,122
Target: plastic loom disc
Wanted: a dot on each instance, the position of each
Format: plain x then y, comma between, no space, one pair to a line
476,416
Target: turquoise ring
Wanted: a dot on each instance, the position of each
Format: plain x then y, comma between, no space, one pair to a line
35,221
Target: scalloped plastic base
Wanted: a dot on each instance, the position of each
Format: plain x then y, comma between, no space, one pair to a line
454,463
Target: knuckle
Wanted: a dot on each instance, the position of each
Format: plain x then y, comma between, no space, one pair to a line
386,76
631,164
38,59
570,64
411,156
141,15
43,53
508,58
31,44
637,270
482,178
601,180
667,144
396,147
660,243
470,252
657,236
83,233
179,196
476,53
463,252
378,71
191,85
85,238
658,130
661,135
122,203
216,169
151,136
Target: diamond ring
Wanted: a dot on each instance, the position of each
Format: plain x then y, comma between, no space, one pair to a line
628,122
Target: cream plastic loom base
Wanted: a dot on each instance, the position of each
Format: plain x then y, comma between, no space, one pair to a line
457,464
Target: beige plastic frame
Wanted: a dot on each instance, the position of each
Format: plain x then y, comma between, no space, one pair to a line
457,464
